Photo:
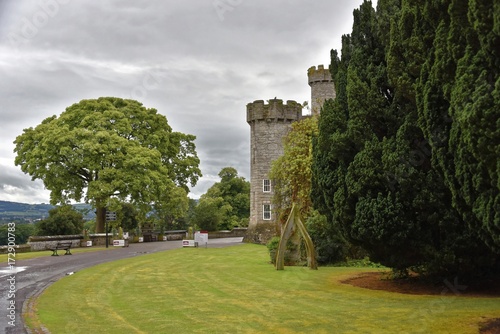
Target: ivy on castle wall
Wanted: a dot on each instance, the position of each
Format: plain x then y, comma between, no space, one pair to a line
291,172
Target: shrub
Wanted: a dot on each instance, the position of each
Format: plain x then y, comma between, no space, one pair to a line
272,246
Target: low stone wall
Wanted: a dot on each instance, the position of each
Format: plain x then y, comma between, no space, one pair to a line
39,243
234,233
261,233
175,234
18,249
99,239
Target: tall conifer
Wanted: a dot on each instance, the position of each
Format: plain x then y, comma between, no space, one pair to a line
382,170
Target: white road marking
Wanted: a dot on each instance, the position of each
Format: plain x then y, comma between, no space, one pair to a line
6,271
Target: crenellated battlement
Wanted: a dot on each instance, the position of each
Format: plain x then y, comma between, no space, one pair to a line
274,110
318,75
322,87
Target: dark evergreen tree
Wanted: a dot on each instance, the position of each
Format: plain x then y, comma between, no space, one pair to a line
459,99
374,167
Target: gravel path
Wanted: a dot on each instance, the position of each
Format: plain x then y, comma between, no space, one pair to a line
30,277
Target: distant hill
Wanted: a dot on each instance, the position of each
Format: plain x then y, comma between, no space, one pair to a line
24,211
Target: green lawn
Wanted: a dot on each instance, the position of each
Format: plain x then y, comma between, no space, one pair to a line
236,290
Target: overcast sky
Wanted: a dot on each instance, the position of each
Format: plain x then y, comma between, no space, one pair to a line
198,62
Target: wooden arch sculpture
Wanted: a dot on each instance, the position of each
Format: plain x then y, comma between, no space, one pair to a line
292,221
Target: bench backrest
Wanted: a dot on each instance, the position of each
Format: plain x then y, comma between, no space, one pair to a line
65,243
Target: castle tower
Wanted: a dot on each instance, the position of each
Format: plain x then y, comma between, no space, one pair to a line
322,87
269,123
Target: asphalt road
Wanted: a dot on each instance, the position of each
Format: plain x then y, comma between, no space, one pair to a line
22,284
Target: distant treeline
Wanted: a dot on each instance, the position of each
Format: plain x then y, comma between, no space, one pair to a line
23,211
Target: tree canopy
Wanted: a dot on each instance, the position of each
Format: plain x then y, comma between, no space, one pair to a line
108,148
62,220
226,204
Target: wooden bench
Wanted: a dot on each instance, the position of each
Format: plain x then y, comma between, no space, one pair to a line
65,245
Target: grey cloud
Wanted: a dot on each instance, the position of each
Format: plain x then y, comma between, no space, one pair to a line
15,187
194,64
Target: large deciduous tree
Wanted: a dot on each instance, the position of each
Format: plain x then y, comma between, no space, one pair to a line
172,206
226,204
108,148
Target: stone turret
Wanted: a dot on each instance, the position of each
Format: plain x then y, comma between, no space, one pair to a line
322,87
269,123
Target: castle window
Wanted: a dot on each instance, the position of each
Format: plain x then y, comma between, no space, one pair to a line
266,186
266,212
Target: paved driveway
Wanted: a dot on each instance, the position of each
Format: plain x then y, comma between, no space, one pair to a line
30,277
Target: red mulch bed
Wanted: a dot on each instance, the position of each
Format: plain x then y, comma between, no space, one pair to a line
412,285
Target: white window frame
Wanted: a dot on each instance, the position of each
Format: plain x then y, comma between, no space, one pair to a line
266,211
266,185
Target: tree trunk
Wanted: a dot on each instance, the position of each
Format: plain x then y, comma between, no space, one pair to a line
100,220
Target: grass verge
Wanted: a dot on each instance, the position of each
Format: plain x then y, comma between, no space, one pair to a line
235,290
33,255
